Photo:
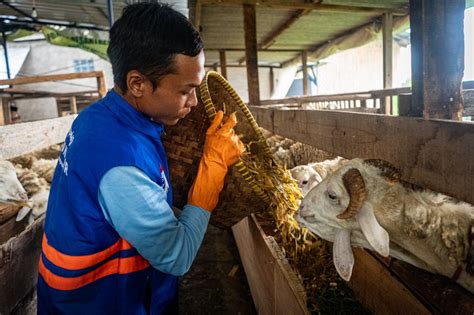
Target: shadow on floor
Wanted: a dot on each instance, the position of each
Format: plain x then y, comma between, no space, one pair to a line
216,282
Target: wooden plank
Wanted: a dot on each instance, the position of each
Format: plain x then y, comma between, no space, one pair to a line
10,227
7,211
304,64
439,293
53,77
251,60
429,153
382,293
22,138
275,288
19,265
223,63
301,4
437,57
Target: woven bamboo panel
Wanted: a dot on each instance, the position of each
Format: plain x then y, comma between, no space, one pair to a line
184,143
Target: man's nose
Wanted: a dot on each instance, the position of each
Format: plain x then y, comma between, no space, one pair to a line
193,101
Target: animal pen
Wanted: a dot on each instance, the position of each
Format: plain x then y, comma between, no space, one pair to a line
418,129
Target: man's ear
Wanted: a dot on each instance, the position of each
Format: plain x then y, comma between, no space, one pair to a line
135,83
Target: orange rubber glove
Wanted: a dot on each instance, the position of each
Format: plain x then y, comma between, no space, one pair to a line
222,148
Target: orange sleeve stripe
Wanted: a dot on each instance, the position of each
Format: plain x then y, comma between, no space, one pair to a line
114,266
80,262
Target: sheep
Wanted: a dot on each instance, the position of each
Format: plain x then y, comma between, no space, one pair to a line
11,190
306,177
45,168
39,204
36,187
312,174
364,203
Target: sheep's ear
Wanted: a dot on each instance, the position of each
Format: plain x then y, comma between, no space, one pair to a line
342,254
374,233
22,213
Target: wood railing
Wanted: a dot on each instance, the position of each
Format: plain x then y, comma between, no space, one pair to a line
387,101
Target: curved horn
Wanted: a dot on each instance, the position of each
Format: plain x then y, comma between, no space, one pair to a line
389,172
355,186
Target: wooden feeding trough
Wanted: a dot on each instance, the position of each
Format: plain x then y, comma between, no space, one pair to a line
20,244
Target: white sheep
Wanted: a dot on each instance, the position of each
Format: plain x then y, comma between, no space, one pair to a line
11,190
306,177
45,168
39,204
312,174
365,204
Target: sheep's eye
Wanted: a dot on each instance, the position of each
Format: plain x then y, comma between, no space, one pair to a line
332,195
305,182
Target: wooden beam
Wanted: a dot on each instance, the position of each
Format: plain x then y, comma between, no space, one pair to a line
243,49
274,286
223,63
272,81
387,38
305,5
197,15
437,57
53,77
250,26
345,40
73,104
26,137
280,29
304,64
7,117
101,85
214,66
430,153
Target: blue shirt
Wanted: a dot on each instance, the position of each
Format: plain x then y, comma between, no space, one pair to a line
136,208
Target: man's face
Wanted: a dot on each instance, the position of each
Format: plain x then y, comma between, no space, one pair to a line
175,94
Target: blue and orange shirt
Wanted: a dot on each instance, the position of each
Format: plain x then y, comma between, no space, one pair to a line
111,242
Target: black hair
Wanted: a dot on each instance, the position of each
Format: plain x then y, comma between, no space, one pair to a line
146,38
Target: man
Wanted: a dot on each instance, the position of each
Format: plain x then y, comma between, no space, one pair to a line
112,244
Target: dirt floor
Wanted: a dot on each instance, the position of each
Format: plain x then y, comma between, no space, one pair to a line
216,283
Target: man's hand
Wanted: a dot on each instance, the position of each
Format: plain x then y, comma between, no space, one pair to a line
222,148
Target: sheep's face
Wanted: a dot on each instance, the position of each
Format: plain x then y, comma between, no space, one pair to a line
11,190
321,205
306,177
338,210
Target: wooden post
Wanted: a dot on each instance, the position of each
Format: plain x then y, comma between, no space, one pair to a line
101,86
304,61
73,103
437,39
223,63
251,60
272,82
6,111
387,59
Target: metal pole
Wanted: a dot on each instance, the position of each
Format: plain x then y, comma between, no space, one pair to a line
110,10
7,63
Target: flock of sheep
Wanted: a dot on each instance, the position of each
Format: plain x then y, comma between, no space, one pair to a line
25,181
355,202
